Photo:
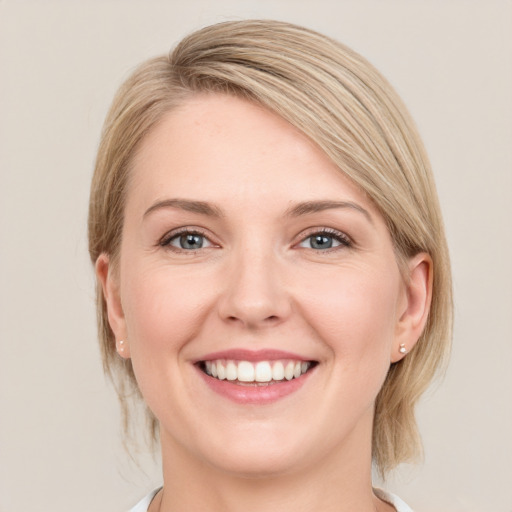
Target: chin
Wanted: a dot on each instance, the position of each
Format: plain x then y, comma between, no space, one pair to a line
257,455
258,465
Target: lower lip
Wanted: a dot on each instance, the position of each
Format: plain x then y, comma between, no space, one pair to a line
255,394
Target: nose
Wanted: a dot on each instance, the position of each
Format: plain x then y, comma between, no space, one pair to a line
254,294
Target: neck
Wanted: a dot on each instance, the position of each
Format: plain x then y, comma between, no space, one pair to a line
340,483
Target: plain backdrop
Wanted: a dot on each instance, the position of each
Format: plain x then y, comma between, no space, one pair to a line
60,64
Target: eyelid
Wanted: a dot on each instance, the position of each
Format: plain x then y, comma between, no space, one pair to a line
343,238
165,240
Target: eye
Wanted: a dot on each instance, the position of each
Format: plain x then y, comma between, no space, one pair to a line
324,240
186,241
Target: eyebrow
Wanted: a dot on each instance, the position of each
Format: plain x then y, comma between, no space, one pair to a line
200,207
308,207
303,208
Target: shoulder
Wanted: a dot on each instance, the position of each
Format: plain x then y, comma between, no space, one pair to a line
143,504
400,505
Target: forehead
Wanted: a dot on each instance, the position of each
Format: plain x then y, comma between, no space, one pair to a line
219,147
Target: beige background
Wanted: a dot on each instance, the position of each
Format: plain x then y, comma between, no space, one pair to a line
60,63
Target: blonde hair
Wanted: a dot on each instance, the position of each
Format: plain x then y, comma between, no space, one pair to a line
349,110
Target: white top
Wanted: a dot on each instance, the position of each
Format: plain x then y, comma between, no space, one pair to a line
393,500
143,504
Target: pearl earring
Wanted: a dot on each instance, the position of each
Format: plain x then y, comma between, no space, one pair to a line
121,348
402,349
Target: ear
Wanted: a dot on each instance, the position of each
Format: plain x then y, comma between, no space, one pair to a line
109,280
414,309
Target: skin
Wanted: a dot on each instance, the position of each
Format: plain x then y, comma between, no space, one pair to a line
258,283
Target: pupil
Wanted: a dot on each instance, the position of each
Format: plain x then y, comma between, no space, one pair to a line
321,242
191,241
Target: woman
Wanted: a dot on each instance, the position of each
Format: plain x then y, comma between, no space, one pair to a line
273,273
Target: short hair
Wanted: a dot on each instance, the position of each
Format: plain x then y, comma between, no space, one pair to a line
345,106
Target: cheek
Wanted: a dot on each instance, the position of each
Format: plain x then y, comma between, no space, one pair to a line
163,311
356,316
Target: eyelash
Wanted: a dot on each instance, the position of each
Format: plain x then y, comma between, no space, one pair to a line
338,236
173,235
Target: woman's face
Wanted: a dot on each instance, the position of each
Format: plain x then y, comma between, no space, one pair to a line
257,291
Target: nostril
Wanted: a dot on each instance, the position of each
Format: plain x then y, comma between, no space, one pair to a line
271,318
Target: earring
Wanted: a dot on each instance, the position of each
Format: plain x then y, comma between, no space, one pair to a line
121,348
402,349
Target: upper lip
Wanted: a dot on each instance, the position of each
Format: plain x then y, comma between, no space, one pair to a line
241,354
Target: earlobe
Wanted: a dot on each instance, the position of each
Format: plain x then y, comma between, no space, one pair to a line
109,281
414,314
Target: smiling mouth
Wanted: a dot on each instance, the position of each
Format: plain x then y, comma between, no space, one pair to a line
261,373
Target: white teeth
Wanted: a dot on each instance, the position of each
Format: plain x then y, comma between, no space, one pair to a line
278,371
221,371
231,371
245,371
288,371
262,371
